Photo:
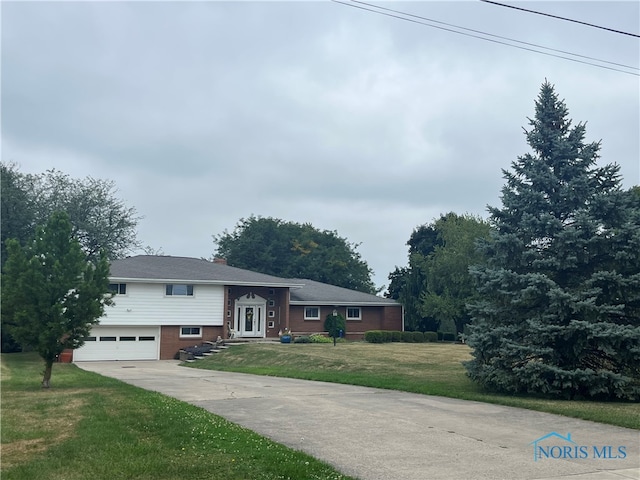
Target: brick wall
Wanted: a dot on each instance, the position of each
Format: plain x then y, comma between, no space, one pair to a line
277,303
372,318
171,343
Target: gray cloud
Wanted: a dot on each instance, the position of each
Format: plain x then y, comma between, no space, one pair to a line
314,112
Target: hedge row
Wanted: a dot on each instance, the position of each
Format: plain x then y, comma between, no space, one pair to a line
315,338
384,336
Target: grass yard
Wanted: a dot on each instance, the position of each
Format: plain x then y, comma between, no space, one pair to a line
428,368
89,426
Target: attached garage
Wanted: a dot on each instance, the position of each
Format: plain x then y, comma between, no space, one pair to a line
120,343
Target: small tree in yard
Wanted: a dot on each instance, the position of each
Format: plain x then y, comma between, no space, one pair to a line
335,324
559,311
51,293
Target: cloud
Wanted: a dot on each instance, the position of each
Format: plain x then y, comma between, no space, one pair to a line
206,112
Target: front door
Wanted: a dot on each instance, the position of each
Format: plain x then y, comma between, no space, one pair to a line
250,316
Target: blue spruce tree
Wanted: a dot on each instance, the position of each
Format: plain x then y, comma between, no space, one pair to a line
559,313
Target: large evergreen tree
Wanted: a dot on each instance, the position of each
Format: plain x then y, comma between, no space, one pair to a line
51,292
560,308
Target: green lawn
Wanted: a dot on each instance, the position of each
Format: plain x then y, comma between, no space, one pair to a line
428,368
89,426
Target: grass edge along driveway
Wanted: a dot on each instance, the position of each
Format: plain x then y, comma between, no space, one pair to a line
90,426
426,368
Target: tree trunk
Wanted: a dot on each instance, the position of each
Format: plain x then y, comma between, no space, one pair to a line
46,379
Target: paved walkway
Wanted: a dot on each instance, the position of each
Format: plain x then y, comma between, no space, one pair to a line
377,434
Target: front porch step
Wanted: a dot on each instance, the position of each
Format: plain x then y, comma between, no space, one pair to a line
235,341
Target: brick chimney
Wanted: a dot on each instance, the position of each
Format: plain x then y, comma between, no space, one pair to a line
221,261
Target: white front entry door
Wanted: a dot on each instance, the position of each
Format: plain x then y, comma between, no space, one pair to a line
250,316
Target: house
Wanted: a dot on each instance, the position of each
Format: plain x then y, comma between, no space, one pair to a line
310,304
165,303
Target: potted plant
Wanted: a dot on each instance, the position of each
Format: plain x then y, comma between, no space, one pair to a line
286,336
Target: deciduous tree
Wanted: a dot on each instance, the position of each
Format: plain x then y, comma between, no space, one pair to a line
436,285
100,221
294,250
18,210
559,312
408,283
51,292
449,285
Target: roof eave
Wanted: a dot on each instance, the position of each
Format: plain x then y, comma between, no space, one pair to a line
202,282
329,303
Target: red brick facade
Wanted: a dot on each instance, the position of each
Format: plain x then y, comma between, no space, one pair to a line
371,318
171,343
277,307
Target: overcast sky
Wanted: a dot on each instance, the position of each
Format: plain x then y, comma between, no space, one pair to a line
207,112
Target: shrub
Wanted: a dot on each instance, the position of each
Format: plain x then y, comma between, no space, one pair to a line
335,324
373,336
383,336
302,339
449,337
430,337
440,335
418,337
407,337
318,338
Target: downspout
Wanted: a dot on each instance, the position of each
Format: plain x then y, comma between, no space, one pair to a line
402,316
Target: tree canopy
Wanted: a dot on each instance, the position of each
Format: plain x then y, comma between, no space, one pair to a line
294,250
449,285
18,212
100,221
435,287
559,306
51,293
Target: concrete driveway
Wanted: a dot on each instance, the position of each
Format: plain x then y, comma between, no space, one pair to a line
377,434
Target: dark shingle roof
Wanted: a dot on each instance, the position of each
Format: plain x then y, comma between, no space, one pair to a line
186,269
317,293
157,268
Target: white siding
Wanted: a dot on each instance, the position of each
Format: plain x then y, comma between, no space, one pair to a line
146,304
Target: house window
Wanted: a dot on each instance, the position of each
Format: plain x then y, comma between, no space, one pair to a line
190,332
353,313
118,288
312,313
271,324
272,302
272,314
272,291
173,289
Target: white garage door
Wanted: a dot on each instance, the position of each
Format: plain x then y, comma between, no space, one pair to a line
120,343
